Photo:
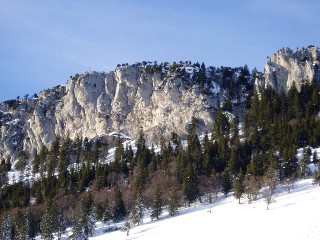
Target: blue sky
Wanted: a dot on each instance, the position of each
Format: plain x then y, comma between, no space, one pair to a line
43,42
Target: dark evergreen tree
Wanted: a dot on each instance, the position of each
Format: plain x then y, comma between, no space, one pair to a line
173,207
48,222
226,182
137,211
157,204
221,124
190,184
6,233
107,215
315,159
238,185
52,221
118,207
85,218
119,156
31,225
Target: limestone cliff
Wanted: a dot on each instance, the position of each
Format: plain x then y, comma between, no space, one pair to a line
288,67
159,98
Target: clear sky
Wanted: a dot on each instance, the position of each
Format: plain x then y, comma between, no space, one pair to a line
43,42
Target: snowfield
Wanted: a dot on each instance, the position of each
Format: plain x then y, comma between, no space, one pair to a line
292,216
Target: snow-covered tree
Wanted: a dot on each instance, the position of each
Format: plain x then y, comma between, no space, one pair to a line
6,228
137,211
30,224
85,218
52,221
48,222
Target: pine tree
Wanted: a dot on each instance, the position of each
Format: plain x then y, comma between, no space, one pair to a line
85,218
303,168
25,226
63,164
137,211
52,221
78,229
107,215
173,203
234,162
156,209
36,164
118,207
226,182
221,125
6,228
60,226
30,225
48,222
190,184
119,152
20,226
238,185
315,159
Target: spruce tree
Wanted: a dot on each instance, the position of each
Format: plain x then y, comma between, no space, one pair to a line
118,207
91,215
107,215
30,225
190,184
238,185
137,211
315,159
119,157
85,218
6,226
173,203
48,222
156,208
20,226
78,229
226,182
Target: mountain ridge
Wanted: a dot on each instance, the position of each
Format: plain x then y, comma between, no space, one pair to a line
159,98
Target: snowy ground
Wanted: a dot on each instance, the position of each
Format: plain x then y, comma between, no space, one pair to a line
292,216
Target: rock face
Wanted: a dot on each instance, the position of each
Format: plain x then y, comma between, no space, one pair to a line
287,67
159,99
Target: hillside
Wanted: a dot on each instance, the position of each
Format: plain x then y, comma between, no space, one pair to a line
291,216
157,138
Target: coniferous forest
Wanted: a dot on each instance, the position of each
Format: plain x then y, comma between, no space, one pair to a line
72,185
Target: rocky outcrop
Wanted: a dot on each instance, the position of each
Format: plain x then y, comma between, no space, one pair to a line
288,67
159,99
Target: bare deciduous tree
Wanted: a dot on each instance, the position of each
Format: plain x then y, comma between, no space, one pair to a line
210,186
270,182
252,186
288,184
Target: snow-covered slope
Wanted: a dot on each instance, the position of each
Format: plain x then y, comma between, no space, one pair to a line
292,216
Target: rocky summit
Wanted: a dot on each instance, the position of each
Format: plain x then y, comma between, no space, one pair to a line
157,98
287,68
